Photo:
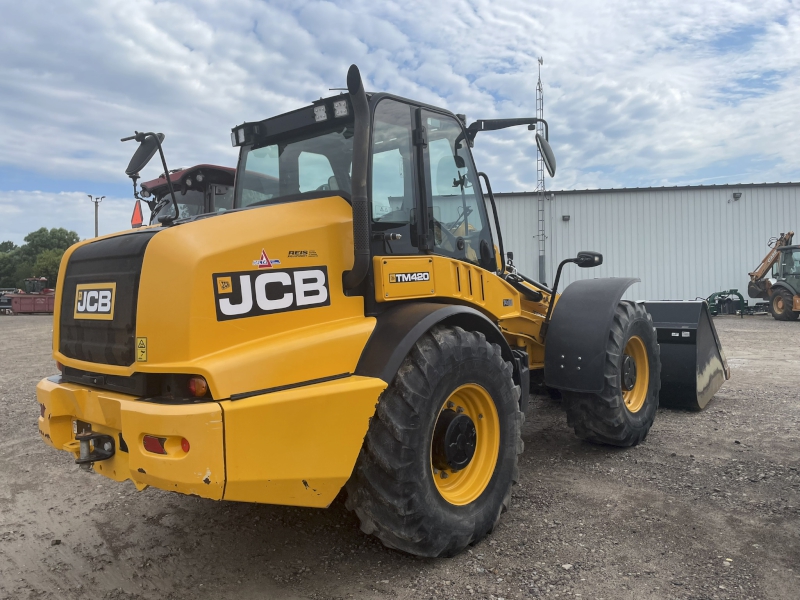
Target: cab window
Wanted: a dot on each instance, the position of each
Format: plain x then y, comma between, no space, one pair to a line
221,197
392,164
315,172
460,227
319,161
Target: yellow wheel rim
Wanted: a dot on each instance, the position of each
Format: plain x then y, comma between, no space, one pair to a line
779,303
635,392
465,486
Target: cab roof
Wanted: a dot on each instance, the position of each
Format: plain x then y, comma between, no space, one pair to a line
215,173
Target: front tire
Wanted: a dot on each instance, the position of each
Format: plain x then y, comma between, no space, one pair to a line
623,412
780,305
404,488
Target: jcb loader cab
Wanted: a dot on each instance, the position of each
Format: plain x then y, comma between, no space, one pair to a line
350,322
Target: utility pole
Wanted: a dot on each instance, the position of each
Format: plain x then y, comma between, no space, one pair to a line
540,177
97,200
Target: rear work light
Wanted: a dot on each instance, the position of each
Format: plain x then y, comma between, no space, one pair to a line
154,444
198,387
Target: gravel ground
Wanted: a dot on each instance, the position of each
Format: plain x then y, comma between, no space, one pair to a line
707,507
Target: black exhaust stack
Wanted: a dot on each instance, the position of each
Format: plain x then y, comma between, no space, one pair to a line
358,187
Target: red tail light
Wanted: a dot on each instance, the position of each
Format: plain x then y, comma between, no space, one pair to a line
154,444
184,444
60,367
198,387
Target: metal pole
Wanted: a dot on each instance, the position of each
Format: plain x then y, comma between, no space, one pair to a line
96,200
540,185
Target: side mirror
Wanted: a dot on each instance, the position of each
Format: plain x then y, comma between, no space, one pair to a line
587,259
147,148
547,155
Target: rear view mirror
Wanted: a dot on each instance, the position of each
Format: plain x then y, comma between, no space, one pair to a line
147,148
547,155
587,259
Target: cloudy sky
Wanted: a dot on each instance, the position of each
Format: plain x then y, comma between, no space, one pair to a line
636,93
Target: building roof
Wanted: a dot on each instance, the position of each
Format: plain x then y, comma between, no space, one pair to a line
721,186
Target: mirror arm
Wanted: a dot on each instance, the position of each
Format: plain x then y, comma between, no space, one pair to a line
167,220
502,263
135,178
495,124
551,303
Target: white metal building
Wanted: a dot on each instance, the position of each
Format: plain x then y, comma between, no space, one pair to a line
682,242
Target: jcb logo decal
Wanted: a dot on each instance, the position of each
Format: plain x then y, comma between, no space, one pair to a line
95,301
248,294
409,277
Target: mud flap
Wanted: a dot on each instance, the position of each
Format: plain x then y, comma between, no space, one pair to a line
693,364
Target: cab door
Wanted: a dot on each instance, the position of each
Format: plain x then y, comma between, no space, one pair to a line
393,180
456,223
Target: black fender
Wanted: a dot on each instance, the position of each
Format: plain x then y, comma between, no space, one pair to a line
399,328
575,347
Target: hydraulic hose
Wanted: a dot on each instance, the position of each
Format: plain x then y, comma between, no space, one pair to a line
358,186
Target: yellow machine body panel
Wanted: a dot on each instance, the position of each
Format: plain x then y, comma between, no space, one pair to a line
451,280
186,269
404,278
294,447
252,301
297,446
69,408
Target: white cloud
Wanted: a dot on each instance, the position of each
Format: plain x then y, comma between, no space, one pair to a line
22,212
636,94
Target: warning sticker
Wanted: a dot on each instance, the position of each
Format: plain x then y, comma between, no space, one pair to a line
141,349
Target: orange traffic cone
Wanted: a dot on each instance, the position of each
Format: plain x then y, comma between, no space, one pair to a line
137,219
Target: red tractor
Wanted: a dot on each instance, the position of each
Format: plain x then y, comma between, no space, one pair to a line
201,189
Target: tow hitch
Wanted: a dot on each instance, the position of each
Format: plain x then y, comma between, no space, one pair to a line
94,447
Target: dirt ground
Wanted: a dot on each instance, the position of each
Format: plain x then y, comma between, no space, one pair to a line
707,507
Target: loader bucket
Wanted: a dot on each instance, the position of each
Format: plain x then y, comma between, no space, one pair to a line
693,365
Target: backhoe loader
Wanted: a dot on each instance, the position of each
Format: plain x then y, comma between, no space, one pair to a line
352,322
782,288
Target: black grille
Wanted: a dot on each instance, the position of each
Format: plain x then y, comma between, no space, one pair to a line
119,260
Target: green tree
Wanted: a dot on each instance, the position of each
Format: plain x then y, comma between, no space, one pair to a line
8,268
46,265
43,239
39,256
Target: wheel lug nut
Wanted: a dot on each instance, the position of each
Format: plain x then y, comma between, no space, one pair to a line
443,475
450,405
459,410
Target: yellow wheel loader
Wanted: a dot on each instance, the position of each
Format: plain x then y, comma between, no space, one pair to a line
350,323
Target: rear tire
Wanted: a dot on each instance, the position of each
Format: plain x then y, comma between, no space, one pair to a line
395,491
780,305
623,412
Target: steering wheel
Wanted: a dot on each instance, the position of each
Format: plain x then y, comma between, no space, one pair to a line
447,235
